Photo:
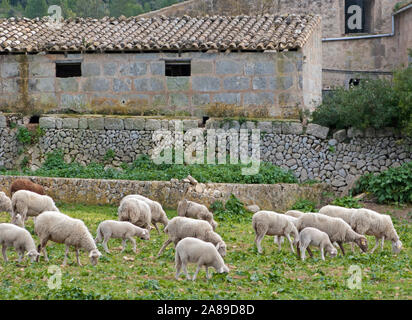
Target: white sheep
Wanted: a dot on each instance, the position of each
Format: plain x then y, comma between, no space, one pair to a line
158,215
367,222
120,230
197,251
27,203
336,228
5,203
135,211
19,238
190,209
182,227
314,237
273,224
60,228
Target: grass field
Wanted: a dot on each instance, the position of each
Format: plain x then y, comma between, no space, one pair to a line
273,275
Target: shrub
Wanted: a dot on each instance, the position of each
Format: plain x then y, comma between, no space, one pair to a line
392,185
304,205
233,209
402,80
347,202
373,103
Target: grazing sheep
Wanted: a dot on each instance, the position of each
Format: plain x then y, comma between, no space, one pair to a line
367,222
182,227
27,203
60,228
120,230
158,215
200,252
336,228
135,211
190,209
380,226
312,236
5,203
273,224
19,238
26,184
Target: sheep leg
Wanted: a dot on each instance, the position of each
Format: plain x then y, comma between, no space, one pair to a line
104,244
196,272
165,244
376,244
322,253
258,240
290,241
157,228
124,245
341,247
43,243
208,276
310,252
178,265
21,256
3,251
382,243
66,254
185,271
133,241
78,257
302,250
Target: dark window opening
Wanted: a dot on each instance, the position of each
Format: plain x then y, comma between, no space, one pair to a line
354,82
204,119
177,68
34,119
67,70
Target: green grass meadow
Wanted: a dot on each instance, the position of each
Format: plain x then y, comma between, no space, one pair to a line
272,275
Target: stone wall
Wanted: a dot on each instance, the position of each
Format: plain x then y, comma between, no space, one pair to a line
134,82
279,197
311,152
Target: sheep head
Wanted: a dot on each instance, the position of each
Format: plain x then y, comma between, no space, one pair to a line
223,269
396,246
17,220
94,256
33,255
145,235
362,242
221,248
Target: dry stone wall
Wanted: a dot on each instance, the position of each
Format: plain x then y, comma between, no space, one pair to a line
311,151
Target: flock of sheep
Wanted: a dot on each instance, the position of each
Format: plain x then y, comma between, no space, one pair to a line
193,231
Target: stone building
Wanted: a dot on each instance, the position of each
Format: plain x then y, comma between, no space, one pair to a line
172,64
360,38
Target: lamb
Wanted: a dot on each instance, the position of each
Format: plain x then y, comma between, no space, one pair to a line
182,227
369,222
28,203
120,230
195,210
336,228
60,228
158,215
19,238
5,203
26,184
200,252
312,236
135,211
279,240
273,224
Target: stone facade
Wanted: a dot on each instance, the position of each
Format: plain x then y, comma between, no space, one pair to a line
311,152
130,83
279,197
343,59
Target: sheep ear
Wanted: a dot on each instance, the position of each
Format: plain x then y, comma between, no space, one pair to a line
218,246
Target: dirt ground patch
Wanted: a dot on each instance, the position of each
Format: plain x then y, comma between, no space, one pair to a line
400,212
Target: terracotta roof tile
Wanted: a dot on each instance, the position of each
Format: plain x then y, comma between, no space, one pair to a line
267,32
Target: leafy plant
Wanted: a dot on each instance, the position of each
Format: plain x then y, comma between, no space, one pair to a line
233,209
347,202
392,185
304,205
23,135
109,156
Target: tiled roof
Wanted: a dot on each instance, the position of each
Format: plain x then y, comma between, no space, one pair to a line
160,33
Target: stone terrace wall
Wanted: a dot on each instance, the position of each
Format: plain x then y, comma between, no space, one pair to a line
309,151
278,197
